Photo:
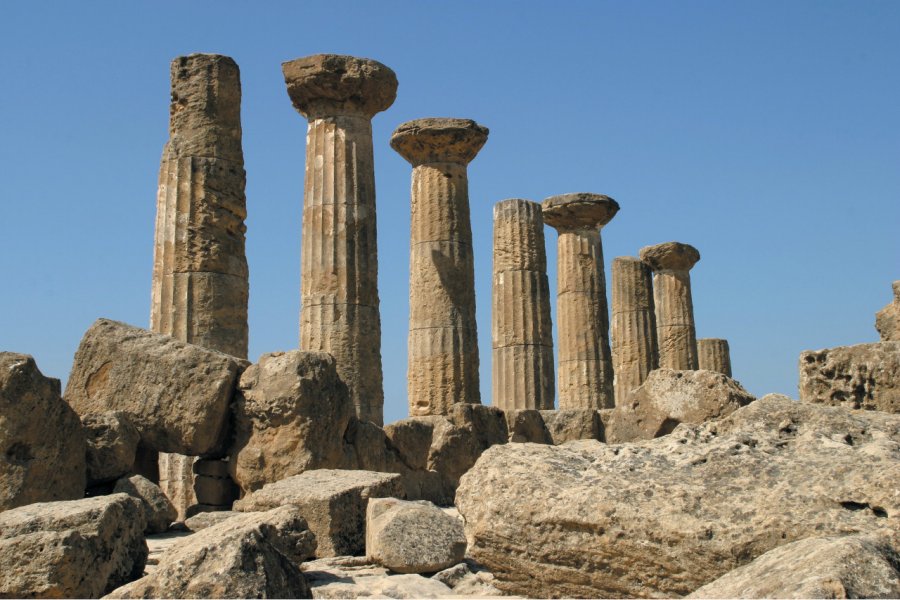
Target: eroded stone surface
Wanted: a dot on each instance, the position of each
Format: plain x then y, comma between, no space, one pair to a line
887,320
158,509
112,442
355,577
663,517
865,376
42,444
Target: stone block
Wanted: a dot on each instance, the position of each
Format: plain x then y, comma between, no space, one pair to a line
112,442
865,376
158,510
566,425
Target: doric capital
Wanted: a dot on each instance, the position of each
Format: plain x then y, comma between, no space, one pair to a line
328,85
439,140
672,256
579,211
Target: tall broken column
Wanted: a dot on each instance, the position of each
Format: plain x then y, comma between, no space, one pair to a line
585,371
443,338
339,310
634,348
200,284
713,354
521,332
675,331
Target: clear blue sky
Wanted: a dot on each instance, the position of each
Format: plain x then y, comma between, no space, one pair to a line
767,134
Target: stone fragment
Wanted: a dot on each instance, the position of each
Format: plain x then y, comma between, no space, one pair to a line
887,320
176,394
526,426
339,312
71,549
469,579
585,371
176,479
290,416
634,347
254,555
676,333
208,519
521,329
853,566
713,354
443,341
665,516
668,398
355,577
566,425
158,509
333,503
42,443
213,486
865,376
112,442
412,537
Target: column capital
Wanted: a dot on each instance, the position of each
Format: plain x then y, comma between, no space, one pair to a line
671,256
327,85
431,140
579,211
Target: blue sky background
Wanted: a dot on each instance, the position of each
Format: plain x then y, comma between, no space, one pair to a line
767,134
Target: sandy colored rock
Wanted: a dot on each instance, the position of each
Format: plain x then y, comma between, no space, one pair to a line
566,425
42,443
208,519
853,566
526,425
585,372
676,333
668,398
339,305
469,579
176,394
521,329
675,513
887,320
355,577
713,354
112,442
865,376
634,347
255,555
443,340
71,549
333,503
158,509
290,415
412,537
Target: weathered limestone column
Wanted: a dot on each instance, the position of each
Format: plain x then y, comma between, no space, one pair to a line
713,354
200,285
339,310
522,332
585,371
443,339
634,348
675,332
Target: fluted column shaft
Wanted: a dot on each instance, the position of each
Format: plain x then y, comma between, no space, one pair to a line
339,310
713,354
585,362
522,332
675,328
634,346
443,338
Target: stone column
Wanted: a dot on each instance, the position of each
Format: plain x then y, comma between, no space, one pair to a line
585,370
339,311
634,347
713,354
521,333
200,285
675,332
443,340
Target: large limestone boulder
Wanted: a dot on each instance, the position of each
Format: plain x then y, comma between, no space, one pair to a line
412,537
176,394
887,320
159,511
42,446
333,503
255,555
853,566
71,549
864,376
290,416
668,398
112,442
355,577
666,516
